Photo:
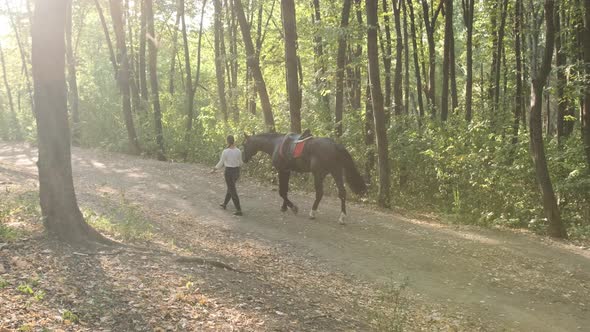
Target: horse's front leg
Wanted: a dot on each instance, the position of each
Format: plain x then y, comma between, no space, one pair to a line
284,189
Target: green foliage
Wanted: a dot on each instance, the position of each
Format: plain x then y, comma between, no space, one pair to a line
3,283
392,315
14,210
67,315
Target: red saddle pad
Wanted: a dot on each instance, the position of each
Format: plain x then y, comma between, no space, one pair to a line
298,149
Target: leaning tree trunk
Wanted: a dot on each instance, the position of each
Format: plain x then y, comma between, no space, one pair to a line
14,125
293,89
254,64
153,69
180,11
105,29
556,227
430,26
22,50
123,75
340,63
72,81
377,100
61,215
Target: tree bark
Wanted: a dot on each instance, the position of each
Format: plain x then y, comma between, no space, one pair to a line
123,75
72,81
586,106
254,64
190,90
444,104
179,12
133,81
468,7
556,227
560,62
497,64
406,43
377,101
153,69
387,56
518,98
398,103
143,87
416,62
430,26
320,78
61,215
107,38
293,89
340,64
219,59
14,125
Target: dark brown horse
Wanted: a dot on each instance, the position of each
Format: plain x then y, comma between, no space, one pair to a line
321,156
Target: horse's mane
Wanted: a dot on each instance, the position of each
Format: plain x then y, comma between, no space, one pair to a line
269,135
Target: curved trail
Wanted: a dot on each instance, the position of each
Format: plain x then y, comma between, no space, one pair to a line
503,280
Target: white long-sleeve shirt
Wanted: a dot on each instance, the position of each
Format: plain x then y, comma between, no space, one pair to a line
230,157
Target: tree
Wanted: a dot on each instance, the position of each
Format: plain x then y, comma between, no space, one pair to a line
22,51
72,81
398,104
468,8
254,64
340,63
386,50
61,215
430,26
107,37
518,98
293,89
444,104
153,69
586,104
179,13
123,75
318,51
14,124
539,79
416,63
377,101
142,50
219,59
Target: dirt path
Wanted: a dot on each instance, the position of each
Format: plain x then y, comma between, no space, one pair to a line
470,277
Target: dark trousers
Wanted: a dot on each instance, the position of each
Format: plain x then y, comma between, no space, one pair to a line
232,174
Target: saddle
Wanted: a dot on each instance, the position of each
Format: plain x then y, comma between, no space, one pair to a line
293,145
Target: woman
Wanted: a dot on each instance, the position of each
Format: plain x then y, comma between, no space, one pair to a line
231,159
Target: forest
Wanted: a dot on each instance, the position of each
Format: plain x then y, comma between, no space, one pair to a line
475,110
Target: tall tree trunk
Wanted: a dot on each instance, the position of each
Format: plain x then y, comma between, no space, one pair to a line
560,62
340,64
377,101
386,49
14,125
23,53
497,64
539,79
586,106
142,51
72,81
190,90
234,64
406,43
416,62
61,215
398,103
293,89
444,104
123,75
219,59
430,26
452,71
369,132
133,81
319,56
468,7
107,37
518,98
179,12
254,64
153,69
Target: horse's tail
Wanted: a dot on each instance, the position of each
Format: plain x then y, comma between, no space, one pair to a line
353,177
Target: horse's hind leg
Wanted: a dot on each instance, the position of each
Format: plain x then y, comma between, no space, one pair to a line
284,189
339,179
318,181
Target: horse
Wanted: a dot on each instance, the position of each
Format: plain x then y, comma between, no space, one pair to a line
320,156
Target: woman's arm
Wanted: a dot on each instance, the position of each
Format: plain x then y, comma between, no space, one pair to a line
220,163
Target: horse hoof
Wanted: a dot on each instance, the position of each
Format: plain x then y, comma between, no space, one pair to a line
295,209
342,219
312,214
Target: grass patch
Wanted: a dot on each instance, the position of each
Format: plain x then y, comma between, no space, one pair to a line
393,308
69,316
125,221
17,213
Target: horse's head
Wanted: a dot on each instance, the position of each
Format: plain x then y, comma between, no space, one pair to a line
250,148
